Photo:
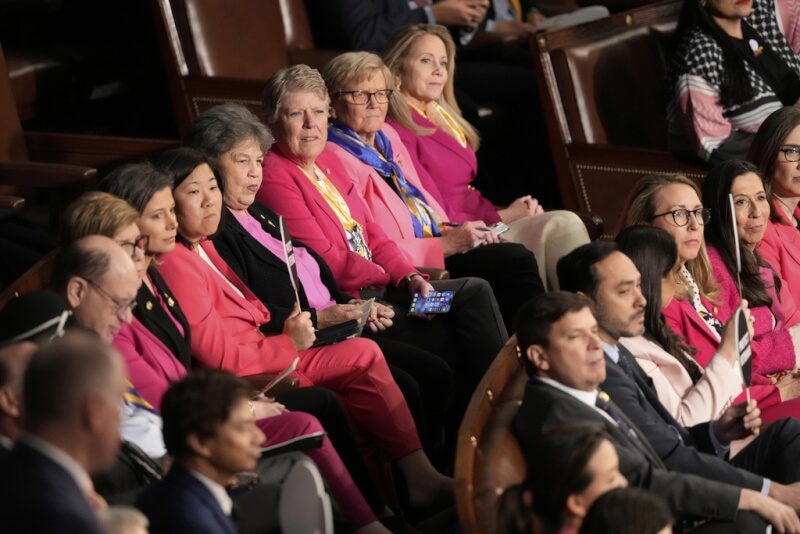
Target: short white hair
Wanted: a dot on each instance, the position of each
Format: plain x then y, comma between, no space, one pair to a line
122,519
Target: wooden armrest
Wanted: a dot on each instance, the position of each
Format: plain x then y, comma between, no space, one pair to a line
434,273
44,175
259,381
637,157
593,222
12,203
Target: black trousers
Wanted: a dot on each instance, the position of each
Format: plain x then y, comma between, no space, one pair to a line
510,269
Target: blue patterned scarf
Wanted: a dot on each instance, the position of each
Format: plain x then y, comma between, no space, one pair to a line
382,160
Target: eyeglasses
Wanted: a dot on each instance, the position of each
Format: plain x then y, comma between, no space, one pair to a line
141,243
361,98
790,153
681,217
121,306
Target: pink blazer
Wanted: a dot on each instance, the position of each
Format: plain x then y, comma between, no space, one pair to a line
773,349
225,326
387,208
151,366
692,403
781,249
446,170
289,192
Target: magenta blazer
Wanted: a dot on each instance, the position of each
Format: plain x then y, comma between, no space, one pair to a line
772,348
387,208
289,192
225,332
446,170
151,366
781,249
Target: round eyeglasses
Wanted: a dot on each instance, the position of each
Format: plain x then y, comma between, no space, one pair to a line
681,217
361,98
141,243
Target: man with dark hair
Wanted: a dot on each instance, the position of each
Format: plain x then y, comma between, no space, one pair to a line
611,282
71,396
567,369
211,434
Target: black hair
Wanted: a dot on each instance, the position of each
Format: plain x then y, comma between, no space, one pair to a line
136,183
198,404
655,255
557,468
178,164
719,231
536,317
627,511
577,271
735,87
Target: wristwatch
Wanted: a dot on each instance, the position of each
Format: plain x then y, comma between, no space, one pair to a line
406,282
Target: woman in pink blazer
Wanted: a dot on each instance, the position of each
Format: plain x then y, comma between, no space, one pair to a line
689,392
308,186
377,162
442,147
226,320
151,366
776,152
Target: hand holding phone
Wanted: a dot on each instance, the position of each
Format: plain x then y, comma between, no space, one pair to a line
435,302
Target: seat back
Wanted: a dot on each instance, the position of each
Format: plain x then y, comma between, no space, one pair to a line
35,278
488,457
219,51
602,90
12,140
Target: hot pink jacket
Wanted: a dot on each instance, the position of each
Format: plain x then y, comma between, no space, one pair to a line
781,249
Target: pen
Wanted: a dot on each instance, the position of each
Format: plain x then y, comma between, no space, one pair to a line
456,225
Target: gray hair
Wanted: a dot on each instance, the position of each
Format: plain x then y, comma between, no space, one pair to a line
354,66
219,129
80,259
286,81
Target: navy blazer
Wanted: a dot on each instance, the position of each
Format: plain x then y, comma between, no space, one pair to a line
38,495
687,454
153,316
265,273
359,24
545,407
181,503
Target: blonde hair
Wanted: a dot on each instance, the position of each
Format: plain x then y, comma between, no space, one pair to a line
395,55
358,67
640,209
285,81
96,213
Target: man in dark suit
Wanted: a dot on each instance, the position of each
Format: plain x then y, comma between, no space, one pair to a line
71,396
211,433
13,361
558,338
610,280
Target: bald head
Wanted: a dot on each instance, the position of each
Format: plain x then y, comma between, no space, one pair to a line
99,281
72,387
14,359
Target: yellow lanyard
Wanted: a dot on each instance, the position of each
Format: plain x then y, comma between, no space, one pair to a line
341,209
517,5
442,119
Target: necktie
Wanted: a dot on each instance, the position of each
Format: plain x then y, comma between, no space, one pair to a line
604,403
625,366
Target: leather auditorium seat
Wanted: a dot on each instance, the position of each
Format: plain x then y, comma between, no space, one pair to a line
602,90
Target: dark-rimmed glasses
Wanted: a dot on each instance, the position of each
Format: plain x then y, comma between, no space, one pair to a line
361,98
790,153
681,217
121,306
141,243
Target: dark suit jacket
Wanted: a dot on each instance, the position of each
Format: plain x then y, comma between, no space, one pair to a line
38,495
264,273
155,319
359,24
650,416
181,503
545,407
